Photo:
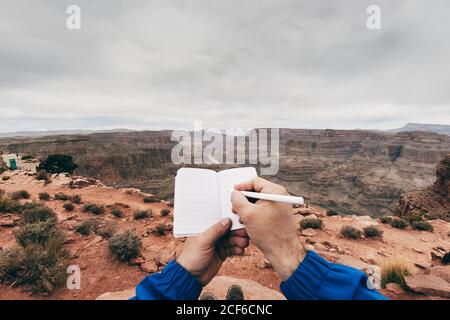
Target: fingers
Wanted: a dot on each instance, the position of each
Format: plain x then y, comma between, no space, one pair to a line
239,233
240,205
236,241
216,231
256,184
234,251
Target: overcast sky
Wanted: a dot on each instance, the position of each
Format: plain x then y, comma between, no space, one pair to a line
228,63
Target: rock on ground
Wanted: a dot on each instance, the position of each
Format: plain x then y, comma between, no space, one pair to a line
118,295
252,290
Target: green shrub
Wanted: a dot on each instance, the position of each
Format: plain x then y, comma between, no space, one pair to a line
394,271
150,200
399,223
125,246
422,226
76,199
313,223
43,268
161,229
117,213
38,233
62,196
165,212
68,206
85,227
44,196
372,232
141,214
331,213
22,194
58,163
107,230
93,208
349,232
38,214
43,176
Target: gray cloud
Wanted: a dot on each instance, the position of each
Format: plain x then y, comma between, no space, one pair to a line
279,63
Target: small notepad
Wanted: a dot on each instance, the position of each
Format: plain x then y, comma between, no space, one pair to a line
203,197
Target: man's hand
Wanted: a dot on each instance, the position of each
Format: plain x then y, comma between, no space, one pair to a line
203,254
270,226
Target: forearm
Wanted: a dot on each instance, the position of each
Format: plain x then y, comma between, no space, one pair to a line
317,279
172,283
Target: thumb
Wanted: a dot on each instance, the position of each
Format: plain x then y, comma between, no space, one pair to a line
217,230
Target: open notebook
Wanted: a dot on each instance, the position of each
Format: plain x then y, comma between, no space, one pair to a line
203,197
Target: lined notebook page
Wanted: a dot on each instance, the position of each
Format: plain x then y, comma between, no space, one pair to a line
227,180
196,202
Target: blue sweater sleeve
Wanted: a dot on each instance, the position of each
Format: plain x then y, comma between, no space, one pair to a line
318,279
172,283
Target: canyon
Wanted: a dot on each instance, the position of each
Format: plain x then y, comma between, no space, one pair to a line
352,171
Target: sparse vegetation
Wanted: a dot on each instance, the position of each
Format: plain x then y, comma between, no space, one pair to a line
40,260
44,196
372,232
38,213
9,205
86,227
76,199
165,212
117,213
150,200
125,246
313,223
386,219
21,194
352,233
415,217
161,229
62,196
93,208
331,213
58,163
43,176
69,206
108,230
141,214
394,271
422,226
399,223
41,267
38,233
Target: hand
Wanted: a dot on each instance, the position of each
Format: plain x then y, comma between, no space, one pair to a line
203,254
270,226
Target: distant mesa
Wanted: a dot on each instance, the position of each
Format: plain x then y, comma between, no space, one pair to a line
436,128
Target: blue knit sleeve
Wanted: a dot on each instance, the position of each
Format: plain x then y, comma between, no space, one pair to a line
172,283
318,279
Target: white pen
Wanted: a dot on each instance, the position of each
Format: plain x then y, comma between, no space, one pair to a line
274,197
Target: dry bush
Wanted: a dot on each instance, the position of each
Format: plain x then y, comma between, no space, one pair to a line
331,213
85,227
44,196
150,200
9,205
394,271
352,233
386,219
399,223
107,230
76,199
141,214
38,213
372,232
93,208
62,196
161,229
313,223
43,176
125,246
117,213
68,206
21,194
38,233
165,212
422,226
